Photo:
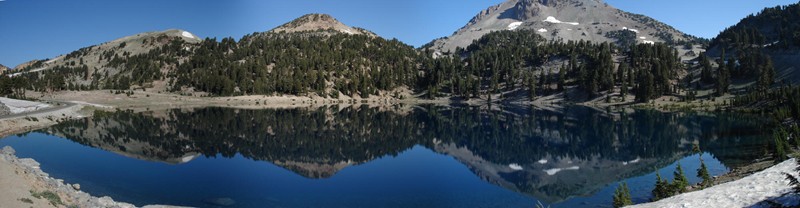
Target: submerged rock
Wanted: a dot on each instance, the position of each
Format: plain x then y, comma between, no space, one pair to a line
225,202
9,150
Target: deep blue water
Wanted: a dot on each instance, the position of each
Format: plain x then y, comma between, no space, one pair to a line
429,157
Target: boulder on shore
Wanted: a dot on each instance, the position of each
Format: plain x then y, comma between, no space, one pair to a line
4,110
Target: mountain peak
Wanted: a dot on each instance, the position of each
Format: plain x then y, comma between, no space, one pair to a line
564,20
316,22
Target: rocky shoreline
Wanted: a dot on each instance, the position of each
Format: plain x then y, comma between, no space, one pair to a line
69,194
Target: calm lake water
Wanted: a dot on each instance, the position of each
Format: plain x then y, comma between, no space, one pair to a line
382,157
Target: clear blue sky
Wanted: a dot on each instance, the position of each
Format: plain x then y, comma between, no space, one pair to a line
39,29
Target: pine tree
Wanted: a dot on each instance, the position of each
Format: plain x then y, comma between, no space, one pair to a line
767,76
706,75
703,174
623,89
646,90
781,147
794,181
622,196
679,182
532,87
720,85
621,70
562,76
662,188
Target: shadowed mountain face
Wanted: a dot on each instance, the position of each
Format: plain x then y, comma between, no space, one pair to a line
549,155
591,20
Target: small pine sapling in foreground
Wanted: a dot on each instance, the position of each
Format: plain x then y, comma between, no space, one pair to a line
622,196
780,136
679,182
703,174
662,188
794,181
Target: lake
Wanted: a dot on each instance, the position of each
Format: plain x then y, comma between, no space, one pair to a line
400,156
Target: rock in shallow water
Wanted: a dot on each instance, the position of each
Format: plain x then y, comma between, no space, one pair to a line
9,150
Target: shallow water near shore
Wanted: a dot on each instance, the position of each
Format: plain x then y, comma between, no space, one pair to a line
425,156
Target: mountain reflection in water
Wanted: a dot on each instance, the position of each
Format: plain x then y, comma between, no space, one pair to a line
551,156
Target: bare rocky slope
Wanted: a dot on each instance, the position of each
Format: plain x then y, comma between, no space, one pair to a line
566,20
3,69
319,22
105,63
98,56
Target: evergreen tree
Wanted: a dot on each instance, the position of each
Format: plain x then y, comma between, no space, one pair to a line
531,87
794,181
767,75
621,70
719,85
623,89
781,147
562,76
645,91
662,189
622,196
679,182
703,174
706,76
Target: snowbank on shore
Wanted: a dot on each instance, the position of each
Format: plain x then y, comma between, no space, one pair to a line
21,106
750,191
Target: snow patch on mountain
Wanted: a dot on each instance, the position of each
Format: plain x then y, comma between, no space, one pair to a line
631,162
770,44
542,30
552,19
187,35
514,166
514,25
632,30
556,170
